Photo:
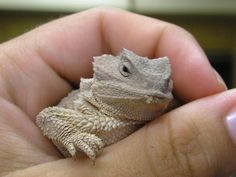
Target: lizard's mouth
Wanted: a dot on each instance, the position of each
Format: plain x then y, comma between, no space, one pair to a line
119,92
151,94
158,97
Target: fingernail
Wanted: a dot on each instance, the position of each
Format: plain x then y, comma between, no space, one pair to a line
231,124
220,80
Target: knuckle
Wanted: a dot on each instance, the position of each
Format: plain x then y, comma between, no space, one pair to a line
175,29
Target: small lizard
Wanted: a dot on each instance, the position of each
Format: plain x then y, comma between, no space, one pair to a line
126,91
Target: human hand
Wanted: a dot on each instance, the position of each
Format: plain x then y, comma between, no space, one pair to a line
38,68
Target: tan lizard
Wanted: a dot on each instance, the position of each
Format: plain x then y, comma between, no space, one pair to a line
126,91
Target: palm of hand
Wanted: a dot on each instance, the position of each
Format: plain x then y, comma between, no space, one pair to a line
37,70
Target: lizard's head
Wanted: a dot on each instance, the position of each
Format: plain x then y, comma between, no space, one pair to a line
130,78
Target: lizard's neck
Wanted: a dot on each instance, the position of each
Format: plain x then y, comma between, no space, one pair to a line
101,96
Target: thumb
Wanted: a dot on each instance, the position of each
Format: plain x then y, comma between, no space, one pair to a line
196,139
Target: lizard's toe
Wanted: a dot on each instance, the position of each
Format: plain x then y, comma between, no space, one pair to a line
71,149
85,148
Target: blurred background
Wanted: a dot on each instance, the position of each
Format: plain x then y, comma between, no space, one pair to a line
212,22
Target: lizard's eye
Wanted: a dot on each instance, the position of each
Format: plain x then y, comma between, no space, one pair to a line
125,69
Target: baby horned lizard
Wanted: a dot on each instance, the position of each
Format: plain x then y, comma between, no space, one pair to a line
126,91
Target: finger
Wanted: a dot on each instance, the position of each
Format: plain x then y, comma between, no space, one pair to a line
190,141
44,59
150,37
147,37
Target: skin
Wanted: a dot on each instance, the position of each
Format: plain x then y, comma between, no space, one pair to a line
38,68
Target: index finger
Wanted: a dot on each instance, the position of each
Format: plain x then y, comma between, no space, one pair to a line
192,74
116,29
67,46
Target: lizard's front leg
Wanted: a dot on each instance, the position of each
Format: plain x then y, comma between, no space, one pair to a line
70,131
